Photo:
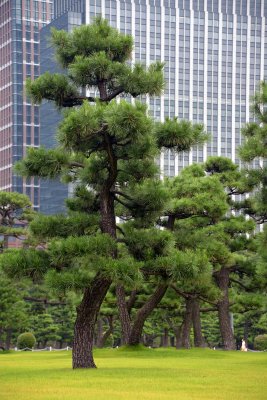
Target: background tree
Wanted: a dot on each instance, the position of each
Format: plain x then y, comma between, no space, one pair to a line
15,213
13,311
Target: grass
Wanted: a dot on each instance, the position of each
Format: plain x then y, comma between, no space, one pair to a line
163,374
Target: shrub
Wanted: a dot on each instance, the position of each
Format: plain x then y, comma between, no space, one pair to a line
26,339
260,342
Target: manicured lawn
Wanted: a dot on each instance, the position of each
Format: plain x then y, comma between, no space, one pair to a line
135,375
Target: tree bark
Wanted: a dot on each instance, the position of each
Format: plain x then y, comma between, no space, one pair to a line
199,340
165,338
87,312
99,331
222,280
123,314
108,332
144,312
130,302
178,336
187,322
9,332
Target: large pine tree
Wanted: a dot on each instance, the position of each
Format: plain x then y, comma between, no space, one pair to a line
107,148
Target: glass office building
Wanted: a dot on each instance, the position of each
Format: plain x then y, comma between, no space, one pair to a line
20,23
215,54
53,192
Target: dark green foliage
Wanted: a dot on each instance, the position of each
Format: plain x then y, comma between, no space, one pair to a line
107,150
15,211
41,162
77,224
51,86
148,244
179,135
260,342
90,39
254,148
44,329
19,263
13,310
26,340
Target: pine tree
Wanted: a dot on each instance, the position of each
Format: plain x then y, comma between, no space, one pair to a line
15,213
107,149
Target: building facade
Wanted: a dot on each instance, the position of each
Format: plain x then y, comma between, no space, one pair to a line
20,24
215,54
53,192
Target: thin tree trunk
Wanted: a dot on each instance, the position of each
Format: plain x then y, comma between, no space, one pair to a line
144,312
87,312
199,340
222,280
9,332
149,340
130,302
123,314
187,322
178,337
108,332
99,331
165,338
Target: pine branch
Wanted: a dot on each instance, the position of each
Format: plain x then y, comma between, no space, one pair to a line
178,291
45,301
115,93
123,195
122,203
242,285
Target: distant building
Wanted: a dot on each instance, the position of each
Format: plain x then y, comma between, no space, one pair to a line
20,23
215,54
53,192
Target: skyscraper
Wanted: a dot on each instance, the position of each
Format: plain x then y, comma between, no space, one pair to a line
215,54
20,23
53,192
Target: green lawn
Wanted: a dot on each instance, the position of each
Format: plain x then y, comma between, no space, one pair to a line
135,375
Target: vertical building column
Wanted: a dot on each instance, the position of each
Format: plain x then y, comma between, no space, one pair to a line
162,56
176,95
148,61
103,3
219,104
87,11
133,28
248,69
205,76
233,156
262,48
191,11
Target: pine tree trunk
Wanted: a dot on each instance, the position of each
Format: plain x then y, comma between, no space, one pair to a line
144,312
87,312
222,279
123,314
199,340
107,334
9,332
187,322
165,338
178,337
99,331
